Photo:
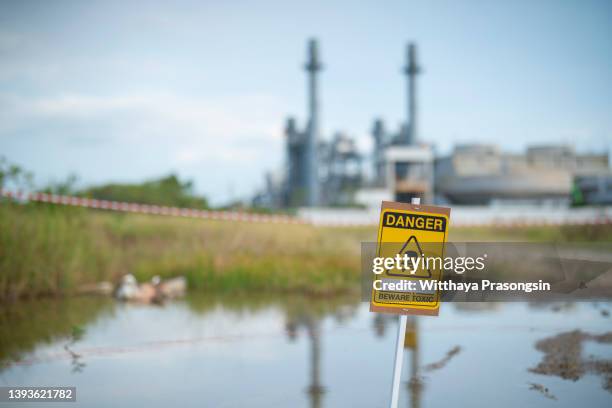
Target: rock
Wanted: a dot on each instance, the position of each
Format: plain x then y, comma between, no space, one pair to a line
155,291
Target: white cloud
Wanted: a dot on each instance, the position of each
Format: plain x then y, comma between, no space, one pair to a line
234,137
241,119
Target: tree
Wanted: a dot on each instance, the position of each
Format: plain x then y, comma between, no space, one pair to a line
168,191
13,176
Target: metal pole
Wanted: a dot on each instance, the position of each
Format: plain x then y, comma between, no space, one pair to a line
399,358
399,348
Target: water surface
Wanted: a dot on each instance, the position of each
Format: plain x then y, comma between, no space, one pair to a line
292,351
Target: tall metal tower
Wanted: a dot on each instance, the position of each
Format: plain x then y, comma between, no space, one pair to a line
312,67
411,70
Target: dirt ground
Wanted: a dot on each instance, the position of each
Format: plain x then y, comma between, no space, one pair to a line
563,357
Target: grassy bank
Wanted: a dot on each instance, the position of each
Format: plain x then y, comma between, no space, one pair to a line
48,250
51,249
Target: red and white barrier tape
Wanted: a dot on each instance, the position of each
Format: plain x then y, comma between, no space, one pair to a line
150,209
515,223
275,219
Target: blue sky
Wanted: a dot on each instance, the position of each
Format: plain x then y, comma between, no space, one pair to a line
125,91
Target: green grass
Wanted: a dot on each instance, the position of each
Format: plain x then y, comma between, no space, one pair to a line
53,250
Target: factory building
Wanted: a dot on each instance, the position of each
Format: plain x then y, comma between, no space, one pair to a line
318,172
483,175
322,172
403,165
341,170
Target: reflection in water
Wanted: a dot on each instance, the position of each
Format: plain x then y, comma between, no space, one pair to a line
29,324
381,321
303,315
197,344
315,390
312,326
303,312
76,359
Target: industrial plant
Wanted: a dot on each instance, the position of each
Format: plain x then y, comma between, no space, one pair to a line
329,172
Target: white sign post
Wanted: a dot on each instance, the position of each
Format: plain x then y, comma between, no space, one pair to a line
399,358
399,349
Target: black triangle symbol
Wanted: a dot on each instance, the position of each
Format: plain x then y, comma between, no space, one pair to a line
412,254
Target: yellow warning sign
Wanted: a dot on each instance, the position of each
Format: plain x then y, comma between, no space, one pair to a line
410,252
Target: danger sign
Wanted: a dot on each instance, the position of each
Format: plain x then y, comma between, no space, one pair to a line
409,236
421,222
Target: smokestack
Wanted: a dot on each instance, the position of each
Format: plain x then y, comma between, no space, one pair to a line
313,65
411,70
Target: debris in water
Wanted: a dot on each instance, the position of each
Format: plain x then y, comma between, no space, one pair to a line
156,291
440,364
542,390
563,357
